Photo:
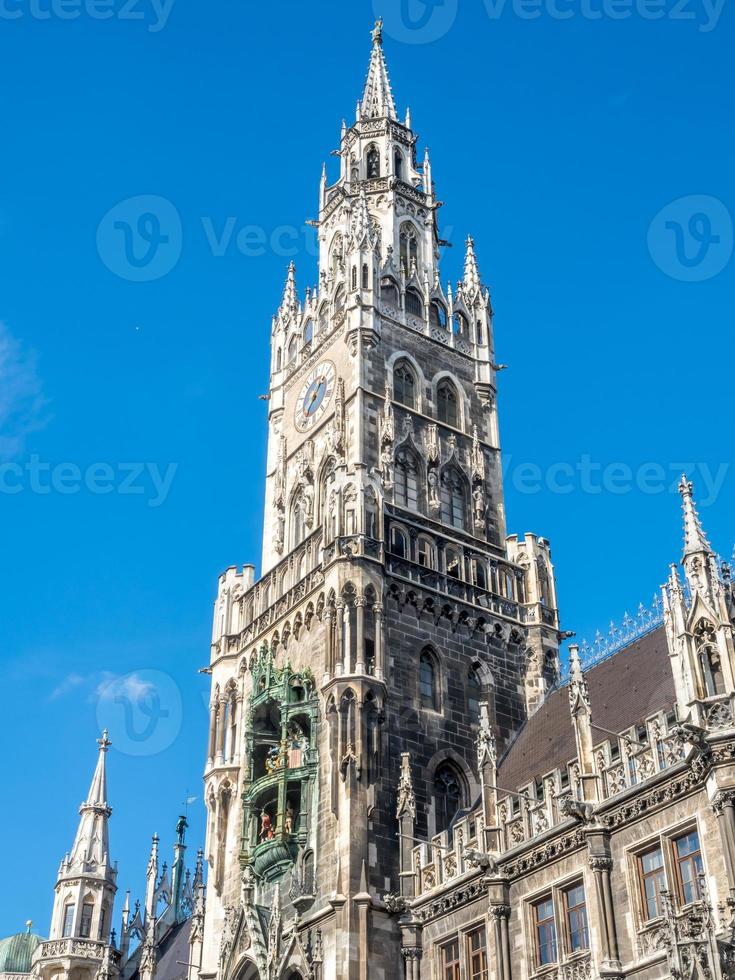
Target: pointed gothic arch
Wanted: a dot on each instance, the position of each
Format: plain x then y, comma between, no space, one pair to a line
453,497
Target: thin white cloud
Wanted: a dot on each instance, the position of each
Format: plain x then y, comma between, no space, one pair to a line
131,687
69,684
21,396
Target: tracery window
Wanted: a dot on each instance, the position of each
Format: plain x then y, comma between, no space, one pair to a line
398,164
404,384
414,303
406,480
409,247
428,687
437,315
447,796
68,923
452,498
373,163
398,543
309,331
447,404
710,662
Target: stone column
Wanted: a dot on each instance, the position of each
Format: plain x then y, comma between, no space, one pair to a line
406,816
723,806
601,864
329,643
379,666
212,731
360,642
500,910
411,947
220,751
339,666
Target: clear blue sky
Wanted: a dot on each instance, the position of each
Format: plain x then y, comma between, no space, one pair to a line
555,142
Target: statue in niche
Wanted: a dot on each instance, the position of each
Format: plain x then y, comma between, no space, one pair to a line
280,532
433,480
298,745
478,500
307,504
266,826
272,760
288,820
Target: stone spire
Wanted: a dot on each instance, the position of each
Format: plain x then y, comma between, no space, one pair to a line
377,100
695,540
289,307
91,848
580,707
472,282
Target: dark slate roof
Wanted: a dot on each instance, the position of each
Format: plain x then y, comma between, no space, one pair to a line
173,950
628,687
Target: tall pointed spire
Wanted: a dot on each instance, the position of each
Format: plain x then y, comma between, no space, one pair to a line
471,271
695,540
290,302
377,99
91,845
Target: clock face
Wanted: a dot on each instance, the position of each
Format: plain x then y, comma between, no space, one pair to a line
315,396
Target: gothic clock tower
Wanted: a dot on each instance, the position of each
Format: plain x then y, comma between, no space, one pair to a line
347,680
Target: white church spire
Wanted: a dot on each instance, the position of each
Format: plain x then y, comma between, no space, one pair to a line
695,540
91,845
377,99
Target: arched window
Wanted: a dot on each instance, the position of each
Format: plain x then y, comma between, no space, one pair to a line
398,164
409,247
298,521
373,163
453,563
398,543
85,923
279,359
452,498
426,553
478,327
67,925
323,318
354,278
437,315
406,480
404,384
479,574
710,662
389,291
365,276
414,303
428,687
308,331
292,348
474,696
339,298
447,404
447,796
459,324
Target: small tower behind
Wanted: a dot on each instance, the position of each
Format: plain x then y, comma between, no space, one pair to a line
79,935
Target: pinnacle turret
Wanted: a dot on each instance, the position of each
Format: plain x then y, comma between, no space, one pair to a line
471,271
290,303
377,99
695,540
91,844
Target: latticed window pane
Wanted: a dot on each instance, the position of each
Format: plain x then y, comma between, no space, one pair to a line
450,961
414,303
653,881
404,386
452,499
477,954
689,866
68,920
447,403
546,946
427,682
576,912
447,797
407,481
85,926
